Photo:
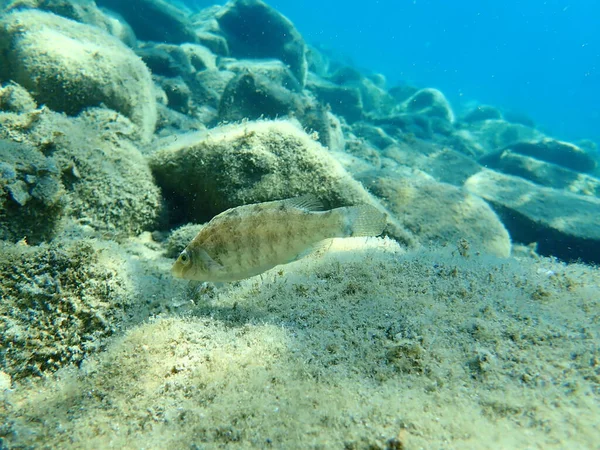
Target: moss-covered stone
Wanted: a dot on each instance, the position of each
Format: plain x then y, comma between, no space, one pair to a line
32,196
70,66
58,302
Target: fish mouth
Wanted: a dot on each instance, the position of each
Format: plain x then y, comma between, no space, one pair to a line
176,271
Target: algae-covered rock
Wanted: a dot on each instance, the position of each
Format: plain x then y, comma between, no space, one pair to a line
345,101
69,66
204,174
180,238
564,154
428,102
495,134
562,224
542,172
255,30
154,20
15,98
482,112
252,96
438,213
32,197
107,182
58,301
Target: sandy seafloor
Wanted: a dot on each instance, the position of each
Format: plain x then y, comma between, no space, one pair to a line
365,346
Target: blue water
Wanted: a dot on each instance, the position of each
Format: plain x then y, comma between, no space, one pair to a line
538,58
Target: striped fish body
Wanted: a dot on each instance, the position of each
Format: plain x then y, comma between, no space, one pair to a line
248,240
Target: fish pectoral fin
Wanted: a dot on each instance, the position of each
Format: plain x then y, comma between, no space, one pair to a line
211,265
316,249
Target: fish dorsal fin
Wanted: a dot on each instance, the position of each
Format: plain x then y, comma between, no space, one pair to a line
308,202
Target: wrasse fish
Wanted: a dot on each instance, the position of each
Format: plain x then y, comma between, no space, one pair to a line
248,240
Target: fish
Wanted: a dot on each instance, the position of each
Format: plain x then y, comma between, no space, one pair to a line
248,240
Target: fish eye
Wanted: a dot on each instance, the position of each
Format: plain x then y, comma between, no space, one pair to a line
184,257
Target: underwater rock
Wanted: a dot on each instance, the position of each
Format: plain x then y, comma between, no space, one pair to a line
107,182
200,57
318,119
178,93
32,197
562,153
208,86
542,172
83,11
179,239
318,63
215,43
374,98
375,135
58,301
166,60
482,112
272,69
427,102
405,126
438,213
15,98
344,101
70,66
562,224
441,162
402,92
493,135
154,20
255,30
252,96
203,174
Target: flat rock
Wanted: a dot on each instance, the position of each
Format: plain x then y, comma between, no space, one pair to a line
442,163
497,134
561,153
562,224
543,173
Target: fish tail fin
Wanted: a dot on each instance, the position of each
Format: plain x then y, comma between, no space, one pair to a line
364,220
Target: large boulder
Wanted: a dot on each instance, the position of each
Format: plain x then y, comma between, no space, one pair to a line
562,224
204,174
255,30
69,66
438,213
154,20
